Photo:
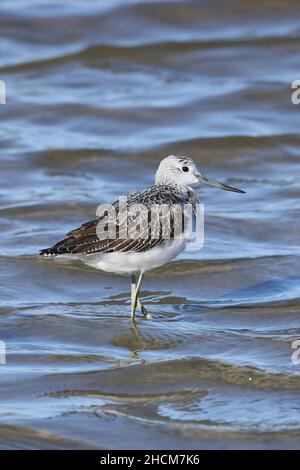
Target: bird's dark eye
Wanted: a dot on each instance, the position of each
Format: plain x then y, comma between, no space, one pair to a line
185,168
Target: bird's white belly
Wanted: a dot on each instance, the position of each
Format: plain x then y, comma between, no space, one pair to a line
130,262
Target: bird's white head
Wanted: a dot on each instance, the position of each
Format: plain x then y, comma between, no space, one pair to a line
182,171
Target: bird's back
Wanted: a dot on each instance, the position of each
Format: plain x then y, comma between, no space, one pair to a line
105,234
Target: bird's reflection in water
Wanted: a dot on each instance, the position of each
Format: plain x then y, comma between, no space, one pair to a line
136,342
140,341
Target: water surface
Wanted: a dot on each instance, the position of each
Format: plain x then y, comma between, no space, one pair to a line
97,93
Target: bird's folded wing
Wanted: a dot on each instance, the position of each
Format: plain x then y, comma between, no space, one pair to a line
150,218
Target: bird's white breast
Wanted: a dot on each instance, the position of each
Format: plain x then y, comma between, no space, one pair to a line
131,262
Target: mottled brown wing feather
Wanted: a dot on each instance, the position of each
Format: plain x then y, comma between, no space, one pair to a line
92,237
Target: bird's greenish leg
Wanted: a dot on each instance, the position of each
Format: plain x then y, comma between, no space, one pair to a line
133,289
135,300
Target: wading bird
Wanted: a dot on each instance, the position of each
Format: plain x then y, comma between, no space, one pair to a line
126,241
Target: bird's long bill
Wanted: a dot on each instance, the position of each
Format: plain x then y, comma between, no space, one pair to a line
204,180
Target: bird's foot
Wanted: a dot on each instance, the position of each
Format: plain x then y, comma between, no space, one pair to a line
143,309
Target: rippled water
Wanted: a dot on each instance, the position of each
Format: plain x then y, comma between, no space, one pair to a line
97,93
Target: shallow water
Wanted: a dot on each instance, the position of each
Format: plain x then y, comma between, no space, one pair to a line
97,93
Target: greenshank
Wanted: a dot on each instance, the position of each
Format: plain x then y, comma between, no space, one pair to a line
126,241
